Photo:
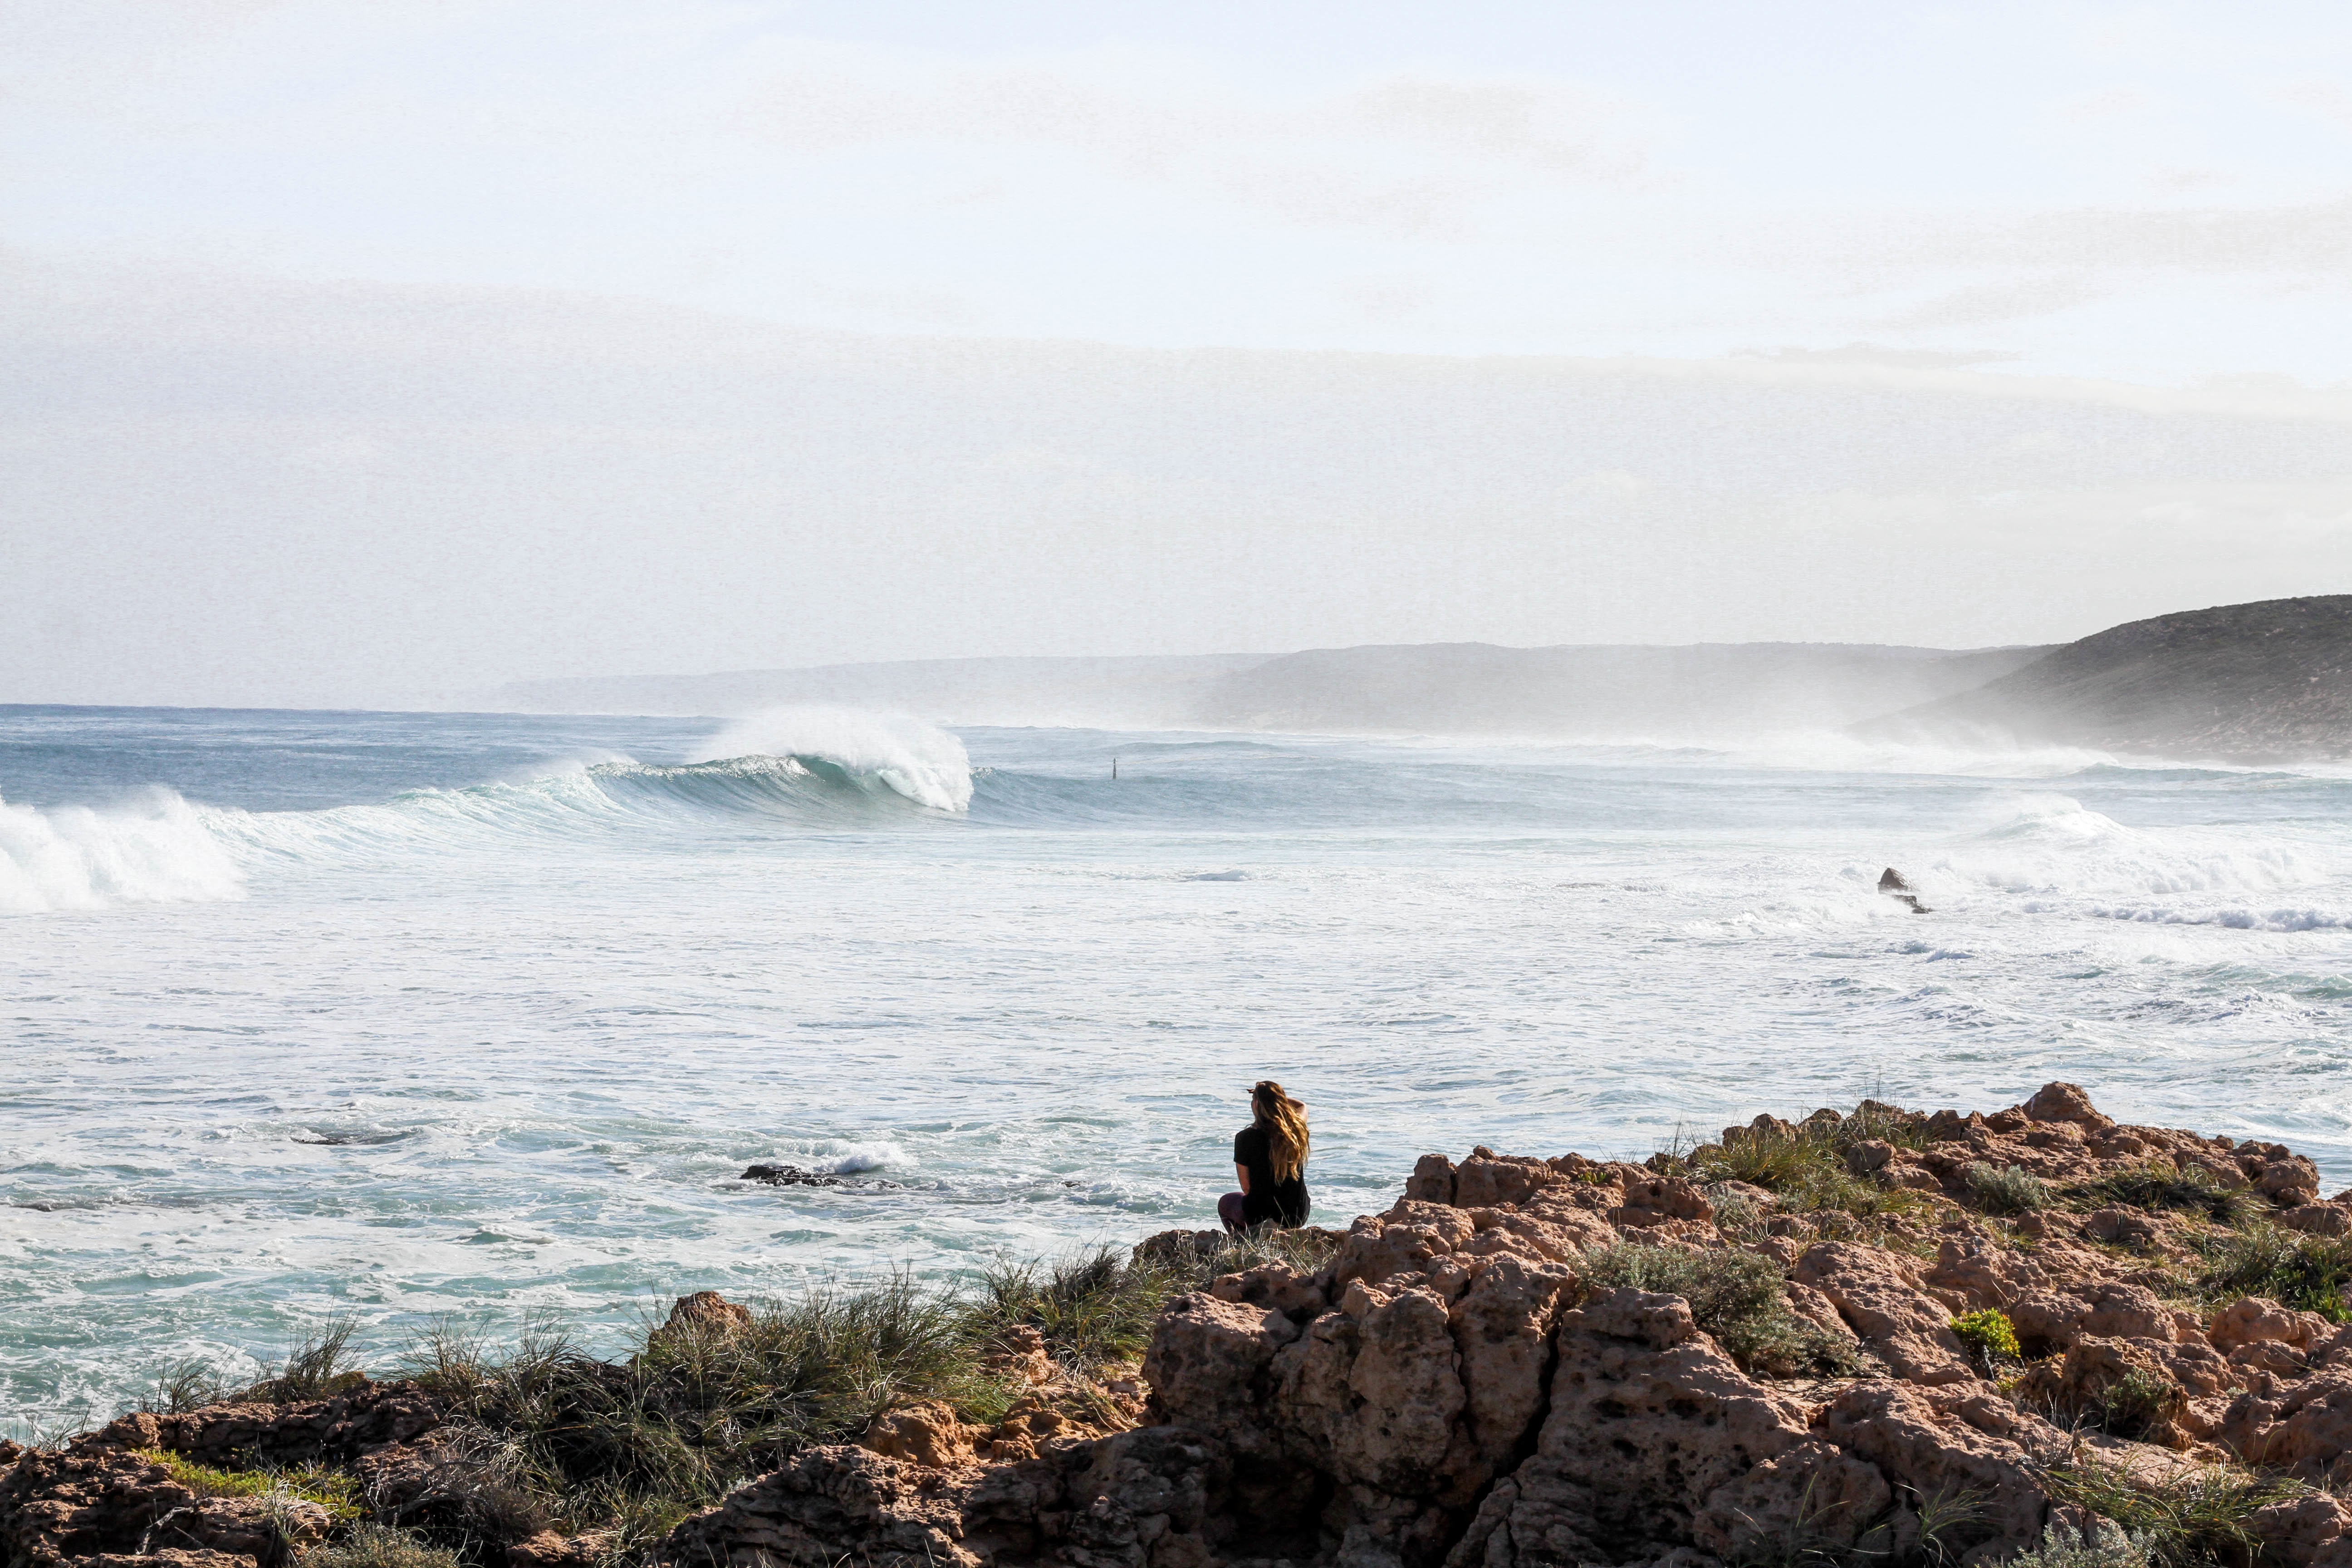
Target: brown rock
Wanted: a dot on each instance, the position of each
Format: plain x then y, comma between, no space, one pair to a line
1883,1300
2066,1103
926,1432
1953,1443
830,1502
270,1531
707,1310
1655,1440
549,1550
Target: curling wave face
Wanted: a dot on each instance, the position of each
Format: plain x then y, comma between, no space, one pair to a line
842,772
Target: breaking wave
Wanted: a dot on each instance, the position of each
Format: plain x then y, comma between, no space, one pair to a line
817,769
153,850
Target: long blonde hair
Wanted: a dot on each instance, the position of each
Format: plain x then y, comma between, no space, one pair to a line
1285,1120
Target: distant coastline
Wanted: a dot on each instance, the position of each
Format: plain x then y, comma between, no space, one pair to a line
2256,683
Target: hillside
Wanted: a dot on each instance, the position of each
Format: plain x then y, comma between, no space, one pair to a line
2263,682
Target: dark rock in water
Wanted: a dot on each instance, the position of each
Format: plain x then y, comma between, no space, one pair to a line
788,1176
1891,883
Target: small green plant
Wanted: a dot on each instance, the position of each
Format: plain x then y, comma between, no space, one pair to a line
2137,1401
1989,1333
1735,1295
333,1490
375,1546
2158,1185
2009,1190
2308,1273
2109,1547
1949,1524
2188,1518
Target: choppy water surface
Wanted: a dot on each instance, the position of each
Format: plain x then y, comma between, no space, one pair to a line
410,1015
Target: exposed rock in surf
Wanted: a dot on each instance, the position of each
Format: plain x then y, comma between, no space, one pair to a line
1891,883
788,1176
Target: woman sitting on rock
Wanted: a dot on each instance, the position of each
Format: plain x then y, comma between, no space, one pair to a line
1270,1158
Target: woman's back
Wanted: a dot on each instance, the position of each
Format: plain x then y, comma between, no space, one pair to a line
1273,1150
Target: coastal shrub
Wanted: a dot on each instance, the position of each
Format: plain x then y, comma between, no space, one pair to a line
318,1367
377,1546
2009,1190
1093,1310
1805,1166
2308,1273
2155,1184
1989,1333
188,1385
2110,1547
1735,1295
333,1490
2136,1401
2187,1518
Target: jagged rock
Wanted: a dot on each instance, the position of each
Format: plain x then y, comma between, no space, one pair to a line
706,1309
270,1531
829,1501
170,1557
80,1503
1881,1296
335,1430
927,1433
1949,1443
2304,1429
549,1550
1654,1441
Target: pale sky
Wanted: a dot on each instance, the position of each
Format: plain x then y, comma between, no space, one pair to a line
302,297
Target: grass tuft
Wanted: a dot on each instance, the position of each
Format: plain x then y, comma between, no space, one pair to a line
2158,1185
2010,1190
1735,1295
1805,1165
317,1366
2190,1518
376,1546
2308,1273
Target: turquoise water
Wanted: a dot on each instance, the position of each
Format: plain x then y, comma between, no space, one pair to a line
401,1017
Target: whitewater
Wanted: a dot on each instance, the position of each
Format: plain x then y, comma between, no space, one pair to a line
400,1018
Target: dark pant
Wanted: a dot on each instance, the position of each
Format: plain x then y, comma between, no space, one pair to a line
1229,1209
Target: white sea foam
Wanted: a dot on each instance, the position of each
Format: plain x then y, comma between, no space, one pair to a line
152,849
919,761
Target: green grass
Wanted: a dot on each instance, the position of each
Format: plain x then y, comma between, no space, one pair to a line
2158,1185
1735,1295
374,1546
2192,1518
336,1492
2009,1190
1805,1167
2308,1273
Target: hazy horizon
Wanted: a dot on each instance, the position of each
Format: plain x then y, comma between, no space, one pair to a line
372,357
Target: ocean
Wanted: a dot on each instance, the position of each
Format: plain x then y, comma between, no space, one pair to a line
404,1018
